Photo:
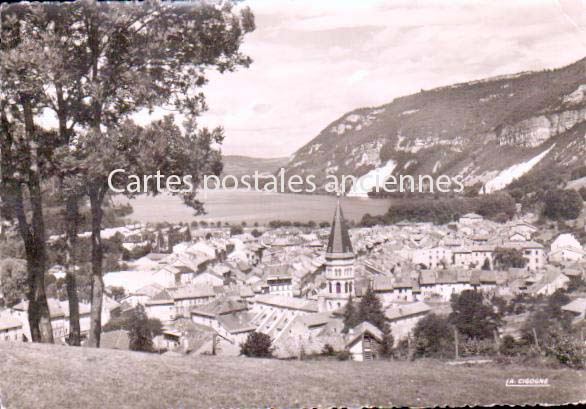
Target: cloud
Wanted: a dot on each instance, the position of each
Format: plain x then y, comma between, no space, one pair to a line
314,61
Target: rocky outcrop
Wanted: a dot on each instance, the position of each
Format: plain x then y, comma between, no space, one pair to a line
534,131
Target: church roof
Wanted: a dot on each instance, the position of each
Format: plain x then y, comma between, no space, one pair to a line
339,240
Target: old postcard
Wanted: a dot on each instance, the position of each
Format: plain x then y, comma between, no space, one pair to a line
292,204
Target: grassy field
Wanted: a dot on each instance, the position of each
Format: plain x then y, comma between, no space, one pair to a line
46,376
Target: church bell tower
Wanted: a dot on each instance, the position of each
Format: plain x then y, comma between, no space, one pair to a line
339,266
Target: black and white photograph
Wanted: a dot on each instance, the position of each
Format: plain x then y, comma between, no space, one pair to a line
292,204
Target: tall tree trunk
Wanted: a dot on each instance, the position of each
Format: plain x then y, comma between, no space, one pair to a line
97,284
71,229
71,221
38,308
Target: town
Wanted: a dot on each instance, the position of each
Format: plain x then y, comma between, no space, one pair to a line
211,287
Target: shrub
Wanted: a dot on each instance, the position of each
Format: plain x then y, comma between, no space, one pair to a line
386,347
562,204
476,347
568,352
508,346
472,317
328,350
257,345
433,336
343,355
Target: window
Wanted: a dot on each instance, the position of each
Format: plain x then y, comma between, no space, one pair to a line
345,287
350,287
330,285
338,288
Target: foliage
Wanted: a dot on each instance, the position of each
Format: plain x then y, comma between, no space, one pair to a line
433,336
257,345
509,346
141,329
568,352
328,350
12,281
351,318
445,210
471,316
387,343
235,230
505,258
343,355
118,293
560,204
370,309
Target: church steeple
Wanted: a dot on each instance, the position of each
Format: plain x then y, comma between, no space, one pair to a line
339,243
339,265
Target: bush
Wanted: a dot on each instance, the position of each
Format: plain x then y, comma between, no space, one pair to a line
472,317
433,336
562,204
343,355
567,352
141,329
477,347
235,230
328,350
509,346
257,345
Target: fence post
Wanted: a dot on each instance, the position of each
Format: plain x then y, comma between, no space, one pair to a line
456,341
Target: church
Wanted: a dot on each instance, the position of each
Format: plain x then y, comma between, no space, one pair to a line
339,265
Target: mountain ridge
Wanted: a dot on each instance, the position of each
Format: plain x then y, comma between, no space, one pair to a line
475,129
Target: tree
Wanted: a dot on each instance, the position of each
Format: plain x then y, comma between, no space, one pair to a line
471,316
387,342
370,309
25,152
350,315
432,335
257,345
256,233
141,329
125,52
12,281
235,230
118,293
505,258
560,204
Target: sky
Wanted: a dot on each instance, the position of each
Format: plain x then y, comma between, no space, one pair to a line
316,60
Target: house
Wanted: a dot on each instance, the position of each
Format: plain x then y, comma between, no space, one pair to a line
10,328
577,307
549,283
142,295
280,284
118,339
470,218
161,307
402,317
432,257
532,251
59,314
186,297
364,341
309,333
209,277
230,318
566,249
